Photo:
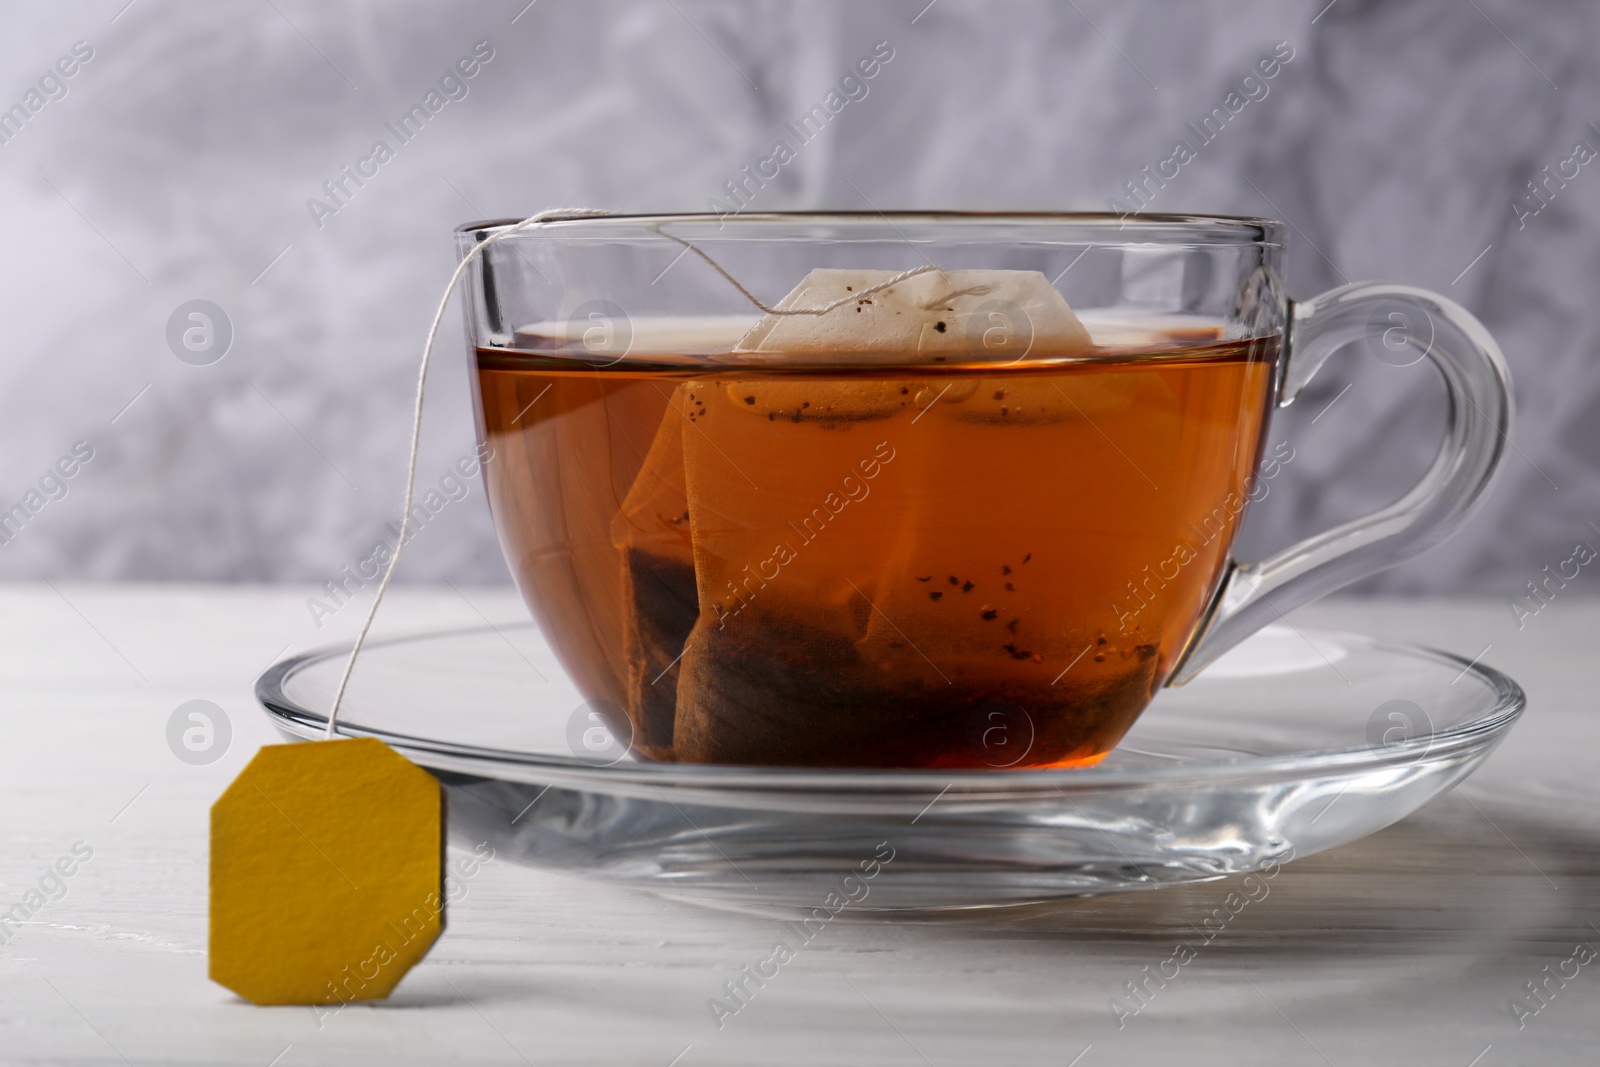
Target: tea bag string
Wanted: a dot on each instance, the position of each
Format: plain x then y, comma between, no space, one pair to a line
416,435
835,305
422,378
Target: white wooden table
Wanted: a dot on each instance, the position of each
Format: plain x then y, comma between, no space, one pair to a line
1408,947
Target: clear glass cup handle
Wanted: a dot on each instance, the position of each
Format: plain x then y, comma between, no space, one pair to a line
1411,323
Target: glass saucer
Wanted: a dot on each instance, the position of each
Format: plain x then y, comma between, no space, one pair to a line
1295,742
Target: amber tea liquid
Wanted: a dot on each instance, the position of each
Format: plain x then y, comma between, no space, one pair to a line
965,566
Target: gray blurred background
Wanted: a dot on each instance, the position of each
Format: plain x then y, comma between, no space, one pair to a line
175,164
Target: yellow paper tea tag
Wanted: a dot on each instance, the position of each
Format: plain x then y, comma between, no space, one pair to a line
327,867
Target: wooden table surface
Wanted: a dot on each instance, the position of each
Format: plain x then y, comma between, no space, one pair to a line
1410,947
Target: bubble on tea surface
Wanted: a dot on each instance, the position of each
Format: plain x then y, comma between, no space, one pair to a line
199,332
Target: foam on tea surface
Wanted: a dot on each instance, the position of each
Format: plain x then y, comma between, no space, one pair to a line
885,564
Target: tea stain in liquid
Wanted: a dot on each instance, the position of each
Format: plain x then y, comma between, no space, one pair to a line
898,567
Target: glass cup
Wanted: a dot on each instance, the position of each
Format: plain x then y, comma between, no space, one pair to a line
864,490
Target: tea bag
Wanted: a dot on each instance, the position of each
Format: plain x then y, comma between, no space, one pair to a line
660,606
819,512
957,315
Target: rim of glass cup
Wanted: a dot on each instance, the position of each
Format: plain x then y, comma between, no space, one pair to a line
1168,228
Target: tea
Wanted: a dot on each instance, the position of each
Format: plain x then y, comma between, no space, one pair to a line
968,565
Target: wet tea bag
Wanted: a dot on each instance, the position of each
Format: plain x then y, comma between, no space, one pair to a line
820,510
660,605
1004,317
957,315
